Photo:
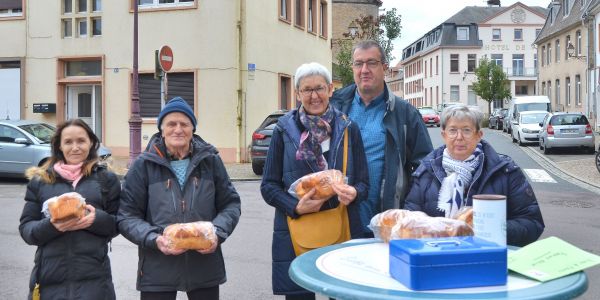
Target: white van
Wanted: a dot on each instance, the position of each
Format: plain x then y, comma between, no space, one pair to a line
525,103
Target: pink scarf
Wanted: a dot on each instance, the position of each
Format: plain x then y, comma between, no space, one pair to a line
69,172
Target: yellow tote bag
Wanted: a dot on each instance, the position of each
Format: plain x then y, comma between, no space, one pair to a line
323,228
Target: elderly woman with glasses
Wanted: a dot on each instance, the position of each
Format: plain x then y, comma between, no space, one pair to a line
465,166
308,140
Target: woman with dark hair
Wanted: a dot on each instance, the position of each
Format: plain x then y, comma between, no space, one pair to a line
71,261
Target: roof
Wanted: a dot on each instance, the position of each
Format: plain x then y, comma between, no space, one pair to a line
557,23
473,14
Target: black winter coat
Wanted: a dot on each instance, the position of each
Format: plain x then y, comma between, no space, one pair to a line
73,264
152,199
497,174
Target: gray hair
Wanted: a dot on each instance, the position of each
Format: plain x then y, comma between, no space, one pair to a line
462,112
311,69
368,44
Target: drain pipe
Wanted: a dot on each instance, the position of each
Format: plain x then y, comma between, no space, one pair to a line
240,152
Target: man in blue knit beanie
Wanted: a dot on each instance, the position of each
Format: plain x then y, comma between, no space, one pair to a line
177,104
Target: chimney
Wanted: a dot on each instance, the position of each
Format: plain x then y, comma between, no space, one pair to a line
491,3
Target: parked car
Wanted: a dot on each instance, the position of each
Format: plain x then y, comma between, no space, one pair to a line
526,126
598,159
261,138
430,116
566,130
497,118
25,144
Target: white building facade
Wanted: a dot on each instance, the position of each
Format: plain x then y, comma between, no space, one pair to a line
439,67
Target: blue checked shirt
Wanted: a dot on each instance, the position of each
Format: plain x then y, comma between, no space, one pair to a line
370,121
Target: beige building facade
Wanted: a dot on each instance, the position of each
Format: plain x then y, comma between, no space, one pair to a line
564,75
233,61
440,66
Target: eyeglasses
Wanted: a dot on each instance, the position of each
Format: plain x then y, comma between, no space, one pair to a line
371,64
452,133
308,92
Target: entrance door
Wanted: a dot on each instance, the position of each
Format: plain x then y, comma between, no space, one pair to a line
10,85
83,102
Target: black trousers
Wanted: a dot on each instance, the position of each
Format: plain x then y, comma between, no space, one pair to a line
211,293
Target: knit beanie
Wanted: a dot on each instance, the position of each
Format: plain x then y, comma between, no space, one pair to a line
177,104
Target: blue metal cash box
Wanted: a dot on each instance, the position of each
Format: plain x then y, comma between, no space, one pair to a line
441,263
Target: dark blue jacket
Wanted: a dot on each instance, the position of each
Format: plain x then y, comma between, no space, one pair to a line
282,169
497,174
407,142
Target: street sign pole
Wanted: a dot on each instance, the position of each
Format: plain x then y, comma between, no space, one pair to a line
165,61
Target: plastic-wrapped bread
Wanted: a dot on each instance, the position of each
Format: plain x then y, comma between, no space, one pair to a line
321,181
403,224
465,214
196,235
65,207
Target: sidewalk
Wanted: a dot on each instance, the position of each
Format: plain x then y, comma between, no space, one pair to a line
236,171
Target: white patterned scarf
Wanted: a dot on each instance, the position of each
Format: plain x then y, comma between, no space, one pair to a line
459,175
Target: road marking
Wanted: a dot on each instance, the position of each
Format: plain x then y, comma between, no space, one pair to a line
539,175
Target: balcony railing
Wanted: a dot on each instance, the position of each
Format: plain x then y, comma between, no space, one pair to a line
523,72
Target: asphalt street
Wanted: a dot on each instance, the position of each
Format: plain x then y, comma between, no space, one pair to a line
570,213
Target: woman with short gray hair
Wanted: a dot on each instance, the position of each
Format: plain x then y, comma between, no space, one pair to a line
465,166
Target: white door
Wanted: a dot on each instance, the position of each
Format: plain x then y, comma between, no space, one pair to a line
10,85
82,103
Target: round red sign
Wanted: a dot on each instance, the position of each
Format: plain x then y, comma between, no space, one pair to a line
165,58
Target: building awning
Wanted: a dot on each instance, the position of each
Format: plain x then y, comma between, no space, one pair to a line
8,4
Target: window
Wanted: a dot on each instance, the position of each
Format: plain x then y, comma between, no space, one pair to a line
285,91
566,7
535,64
67,6
544,56
454,93
12,8
462,33
518,62
471,62
577,90
549,90
83,68
568,91
145,4
82,27
436,65
96,5
567,42
518,34
323,19
497,59
544,88
299,13
537,32
557,49
425,70
430,66
557,93
578,46
496,34
549,53
454,63
437,95
67,25
82,5
472,97
180,84
8,134
96,26
312,16
284,10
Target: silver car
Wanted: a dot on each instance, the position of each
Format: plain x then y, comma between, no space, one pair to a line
562,130
24,144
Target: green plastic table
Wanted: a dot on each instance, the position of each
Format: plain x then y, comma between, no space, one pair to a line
359,270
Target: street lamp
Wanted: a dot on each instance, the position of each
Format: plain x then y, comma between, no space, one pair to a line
352,30
464,75
135,120
571,52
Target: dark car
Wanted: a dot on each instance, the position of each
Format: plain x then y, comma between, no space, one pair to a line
430,116
261,138
497,118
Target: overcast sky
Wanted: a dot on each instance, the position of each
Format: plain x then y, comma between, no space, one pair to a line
418,17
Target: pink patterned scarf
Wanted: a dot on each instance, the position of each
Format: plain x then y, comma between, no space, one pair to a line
69,172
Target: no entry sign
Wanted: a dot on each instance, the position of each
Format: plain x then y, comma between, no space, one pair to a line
165,58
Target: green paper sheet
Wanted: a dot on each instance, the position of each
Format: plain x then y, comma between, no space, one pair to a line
549,259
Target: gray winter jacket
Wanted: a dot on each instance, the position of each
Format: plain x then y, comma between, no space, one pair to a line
152,199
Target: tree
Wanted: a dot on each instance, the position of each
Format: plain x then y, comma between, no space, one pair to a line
491,82
384,29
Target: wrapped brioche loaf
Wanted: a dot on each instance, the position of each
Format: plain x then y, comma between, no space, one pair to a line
66,207
403,224
321,181
465,214
196,235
